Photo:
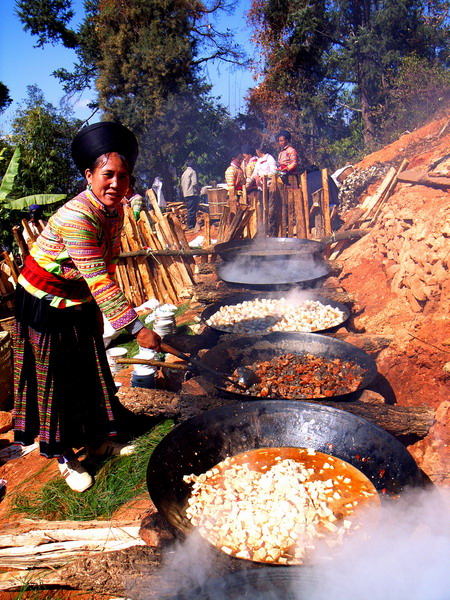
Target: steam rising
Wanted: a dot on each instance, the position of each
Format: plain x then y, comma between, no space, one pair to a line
275,270
407,557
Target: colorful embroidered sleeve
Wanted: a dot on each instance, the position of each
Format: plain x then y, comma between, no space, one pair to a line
81,240
234,177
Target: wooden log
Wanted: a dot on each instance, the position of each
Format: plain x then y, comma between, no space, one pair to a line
167,270
133,274
223,224
304,187
398,420
377,208
325,205
429,179
371,201
186,261
135,244
160,280
265,205
207,231
31,235
18,236
282,232
291,212
300,216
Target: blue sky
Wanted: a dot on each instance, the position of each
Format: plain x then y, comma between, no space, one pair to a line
21,64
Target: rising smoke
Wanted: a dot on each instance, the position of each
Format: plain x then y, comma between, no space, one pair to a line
403,554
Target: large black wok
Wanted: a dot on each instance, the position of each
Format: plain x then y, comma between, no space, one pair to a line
244,350
274,272
266,248
203,441
238,298
282,583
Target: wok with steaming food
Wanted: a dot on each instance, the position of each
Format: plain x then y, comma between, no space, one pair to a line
272,263
245,350
276,272
311,321
267,248
282,583
200,443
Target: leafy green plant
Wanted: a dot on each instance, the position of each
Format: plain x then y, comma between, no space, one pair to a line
7,185
118,481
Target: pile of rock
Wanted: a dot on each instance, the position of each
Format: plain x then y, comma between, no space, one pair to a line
357,183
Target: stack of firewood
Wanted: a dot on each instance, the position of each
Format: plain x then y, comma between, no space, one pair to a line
164,277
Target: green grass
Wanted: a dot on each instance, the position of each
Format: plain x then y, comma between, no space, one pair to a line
118,481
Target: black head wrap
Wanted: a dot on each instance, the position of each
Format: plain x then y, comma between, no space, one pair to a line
247,149
101,138
285,133
235,152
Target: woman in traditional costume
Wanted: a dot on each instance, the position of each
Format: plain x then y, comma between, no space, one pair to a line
64,390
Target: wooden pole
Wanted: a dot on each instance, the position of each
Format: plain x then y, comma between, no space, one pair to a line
326,202
300,217
304,186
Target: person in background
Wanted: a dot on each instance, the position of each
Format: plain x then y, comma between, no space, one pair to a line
190,191
287,159
248,164
265,165
64,391
157,188
234,176
134,200
36,214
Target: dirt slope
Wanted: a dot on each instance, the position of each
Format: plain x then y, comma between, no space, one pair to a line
399,274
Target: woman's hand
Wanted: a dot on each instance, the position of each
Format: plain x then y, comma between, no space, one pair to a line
146,338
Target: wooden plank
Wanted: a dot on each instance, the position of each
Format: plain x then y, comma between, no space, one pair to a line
325,204
178,230
18,235
223,224
376,209
182,262
160,268
370,201
207,230
174,272
232,202
265,205
133,274
299,210
304,187
134,242
431,179
290,212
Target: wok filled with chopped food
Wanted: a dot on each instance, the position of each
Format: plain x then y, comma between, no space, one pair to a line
237,472
294,366
253,313
273,505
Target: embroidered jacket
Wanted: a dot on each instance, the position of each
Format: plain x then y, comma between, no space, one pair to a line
288,160
82,241
234,177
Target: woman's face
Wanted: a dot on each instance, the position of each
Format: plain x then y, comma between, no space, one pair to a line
110,180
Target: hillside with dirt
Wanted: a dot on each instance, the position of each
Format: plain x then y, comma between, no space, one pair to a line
399,274
398,277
